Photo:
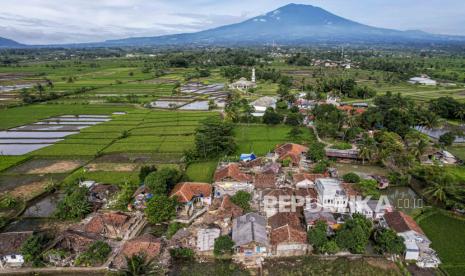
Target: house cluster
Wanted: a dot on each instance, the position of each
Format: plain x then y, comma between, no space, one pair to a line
345,64
416,242
286,201
120,230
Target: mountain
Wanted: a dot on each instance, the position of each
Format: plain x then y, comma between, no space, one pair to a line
8,43
291,24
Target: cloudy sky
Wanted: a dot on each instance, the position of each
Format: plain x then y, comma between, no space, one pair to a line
66,21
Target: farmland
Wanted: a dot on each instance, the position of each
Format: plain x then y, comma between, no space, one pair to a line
446,234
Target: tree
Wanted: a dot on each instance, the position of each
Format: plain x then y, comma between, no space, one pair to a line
161,208
139,265
294,119
97,253
74,205
387,241
295,134
242,199
447,139
223,246
214,137
354,234
330,247
316,151
271,117
32,248
162,181
173,228
317,236
351,178
145,171
182,253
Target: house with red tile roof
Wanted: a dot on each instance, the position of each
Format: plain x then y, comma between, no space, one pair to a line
147,245
287,235
294,152
229,179
114,225
194,199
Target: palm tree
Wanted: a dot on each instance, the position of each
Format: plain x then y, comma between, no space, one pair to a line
438,190
139,265
367,148
460,113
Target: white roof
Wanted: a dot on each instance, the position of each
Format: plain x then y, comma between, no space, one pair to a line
206,238
264,102
330,186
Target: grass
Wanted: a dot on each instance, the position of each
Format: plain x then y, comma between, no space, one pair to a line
261,139
201,171
457,150
117,178
340,266
446,233
9,161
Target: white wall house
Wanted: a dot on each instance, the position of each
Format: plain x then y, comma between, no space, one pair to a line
371,209
331,195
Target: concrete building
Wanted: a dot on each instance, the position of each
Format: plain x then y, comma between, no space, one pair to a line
250,236
206,238
331,194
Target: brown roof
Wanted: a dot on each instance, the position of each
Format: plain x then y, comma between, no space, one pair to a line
231,171
226,208
309,192
286,227
400,222
279,192
75,241
252,163
298,177
110,224
146,244
350,189
292,151
10,243
186,191
265,181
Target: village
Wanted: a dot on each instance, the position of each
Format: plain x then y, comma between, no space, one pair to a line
284,200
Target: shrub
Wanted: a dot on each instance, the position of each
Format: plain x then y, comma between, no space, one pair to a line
341,146
223,246
74,205
173,228
351,177
242,199
182,253
160,209
316,151
97,253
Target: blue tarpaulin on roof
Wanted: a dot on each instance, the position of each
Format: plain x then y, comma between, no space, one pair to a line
248,157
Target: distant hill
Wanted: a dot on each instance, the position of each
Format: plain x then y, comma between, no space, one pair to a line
291,24
8,43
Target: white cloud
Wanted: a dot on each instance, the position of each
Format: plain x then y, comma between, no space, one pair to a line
67,21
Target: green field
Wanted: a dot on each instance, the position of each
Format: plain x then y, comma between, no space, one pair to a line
261,139
201,171
446,234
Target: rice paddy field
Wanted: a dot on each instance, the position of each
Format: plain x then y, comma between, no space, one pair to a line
446,233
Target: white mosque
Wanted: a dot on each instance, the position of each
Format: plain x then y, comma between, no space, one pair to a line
244,84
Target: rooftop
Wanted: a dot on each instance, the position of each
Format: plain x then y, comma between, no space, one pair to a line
186,191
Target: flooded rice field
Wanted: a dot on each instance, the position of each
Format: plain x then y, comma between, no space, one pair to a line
20,149
45,207
27,138
201,105
437,132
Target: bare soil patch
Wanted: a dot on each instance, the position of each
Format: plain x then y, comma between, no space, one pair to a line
44,166
112,167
